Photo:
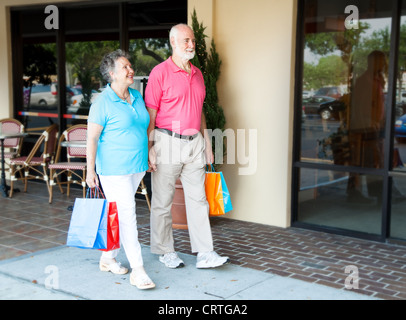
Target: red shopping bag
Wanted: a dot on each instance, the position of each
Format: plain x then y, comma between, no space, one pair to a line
113,232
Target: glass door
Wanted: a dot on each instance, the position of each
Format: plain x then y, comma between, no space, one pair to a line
342,115
398,173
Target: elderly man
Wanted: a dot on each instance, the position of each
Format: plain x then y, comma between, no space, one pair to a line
179,147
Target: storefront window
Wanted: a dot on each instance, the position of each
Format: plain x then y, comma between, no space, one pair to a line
86,31
398,187
345,83
345,107
145,55
323,201
39,89
91,32
83,76
398,214
400,117
71,54
148,29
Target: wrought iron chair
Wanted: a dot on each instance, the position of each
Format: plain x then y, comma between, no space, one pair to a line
142,189
29,164
70,168
13,145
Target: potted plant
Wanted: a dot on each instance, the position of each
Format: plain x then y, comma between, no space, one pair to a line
209,63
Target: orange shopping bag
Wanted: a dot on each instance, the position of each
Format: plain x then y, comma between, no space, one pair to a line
214,193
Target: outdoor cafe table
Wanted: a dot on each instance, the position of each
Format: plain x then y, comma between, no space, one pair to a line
74,144
3,136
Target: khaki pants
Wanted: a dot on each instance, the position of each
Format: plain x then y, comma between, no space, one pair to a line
179,158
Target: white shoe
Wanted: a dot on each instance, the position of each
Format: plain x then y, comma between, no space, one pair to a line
171,260
114,267
210,260
141,281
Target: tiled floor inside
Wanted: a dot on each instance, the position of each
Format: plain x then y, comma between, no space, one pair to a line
28,223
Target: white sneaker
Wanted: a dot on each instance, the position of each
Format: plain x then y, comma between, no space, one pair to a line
210,260
171,260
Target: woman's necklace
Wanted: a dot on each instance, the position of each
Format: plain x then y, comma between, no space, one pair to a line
124,98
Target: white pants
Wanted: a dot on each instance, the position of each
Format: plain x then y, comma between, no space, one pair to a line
122,189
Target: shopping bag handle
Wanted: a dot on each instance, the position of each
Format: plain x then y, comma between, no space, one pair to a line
95,193
212,168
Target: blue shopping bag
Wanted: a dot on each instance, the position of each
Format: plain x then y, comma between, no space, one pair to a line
88,225
226,195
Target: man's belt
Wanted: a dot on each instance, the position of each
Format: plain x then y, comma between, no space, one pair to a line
177,135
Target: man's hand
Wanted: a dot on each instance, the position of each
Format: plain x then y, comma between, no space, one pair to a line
152,160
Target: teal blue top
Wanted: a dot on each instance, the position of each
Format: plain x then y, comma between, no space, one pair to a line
123,142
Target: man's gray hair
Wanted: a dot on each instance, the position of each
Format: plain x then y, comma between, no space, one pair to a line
175,29
109,63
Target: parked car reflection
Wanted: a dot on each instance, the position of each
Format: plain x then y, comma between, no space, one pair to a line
77,98
326,107
46,96
400,129
306,94
334,92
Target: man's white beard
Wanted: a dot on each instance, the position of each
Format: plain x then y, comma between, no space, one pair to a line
188,55
185,55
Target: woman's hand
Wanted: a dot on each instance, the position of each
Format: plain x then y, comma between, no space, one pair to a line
91,179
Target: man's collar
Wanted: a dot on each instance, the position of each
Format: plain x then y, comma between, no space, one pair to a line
175,68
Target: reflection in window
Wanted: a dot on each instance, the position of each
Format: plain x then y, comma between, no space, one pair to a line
145,55
344,85
324,201
398,217
149,23
398,213
83,75
83,63
400,111
344,111
40,89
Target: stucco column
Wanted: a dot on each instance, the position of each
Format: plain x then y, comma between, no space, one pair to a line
204,11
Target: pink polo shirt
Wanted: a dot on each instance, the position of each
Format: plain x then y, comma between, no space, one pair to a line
177,96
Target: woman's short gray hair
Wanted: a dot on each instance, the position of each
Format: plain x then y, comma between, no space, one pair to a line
109,63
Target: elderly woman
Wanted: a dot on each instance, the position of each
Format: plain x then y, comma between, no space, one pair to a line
117,147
